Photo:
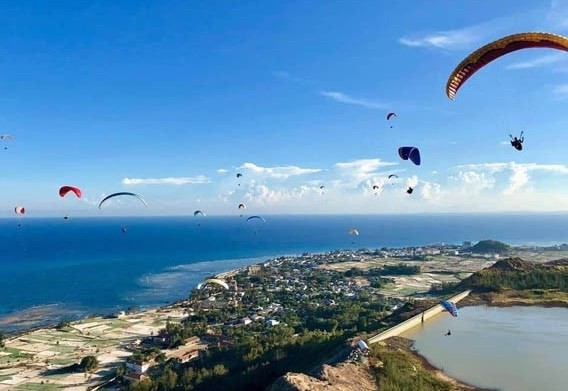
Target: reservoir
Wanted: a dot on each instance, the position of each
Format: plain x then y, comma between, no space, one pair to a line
511,349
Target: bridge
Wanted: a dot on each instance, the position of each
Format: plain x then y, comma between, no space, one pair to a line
415,320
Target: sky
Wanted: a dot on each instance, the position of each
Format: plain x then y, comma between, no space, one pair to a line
170,99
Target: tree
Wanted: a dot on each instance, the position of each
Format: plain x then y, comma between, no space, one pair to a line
2,343
89,364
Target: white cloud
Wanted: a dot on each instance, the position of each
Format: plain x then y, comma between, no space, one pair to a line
287,76
363,170
561,90
281,172
344,98
477,177
412,181
466,37
222,171
430,191
165,181
539,61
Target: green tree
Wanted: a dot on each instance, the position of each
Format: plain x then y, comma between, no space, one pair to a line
2,343
89,364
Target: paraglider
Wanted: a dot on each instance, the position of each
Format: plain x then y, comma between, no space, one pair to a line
239,175
256,217
353,232
409,190
198,213
393,175
20,210
450,307
517,143
213,281
377,188
492,51
123,193
259,219
321,188
448,333
411,153
391,115
6,137
123,230
241,207
66,189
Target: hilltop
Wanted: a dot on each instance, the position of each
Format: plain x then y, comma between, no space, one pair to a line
490,247
514,281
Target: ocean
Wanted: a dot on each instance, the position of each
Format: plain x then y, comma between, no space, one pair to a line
53,268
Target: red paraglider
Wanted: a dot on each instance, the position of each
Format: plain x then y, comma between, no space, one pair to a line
66,189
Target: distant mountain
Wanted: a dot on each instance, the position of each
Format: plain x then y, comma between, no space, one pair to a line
490,247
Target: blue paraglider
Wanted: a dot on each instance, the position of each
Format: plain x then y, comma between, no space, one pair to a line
450,307
411,153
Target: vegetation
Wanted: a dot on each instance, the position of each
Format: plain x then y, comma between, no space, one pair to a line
63,325
2,343
387,270
490,247
514,273
400,369
89,364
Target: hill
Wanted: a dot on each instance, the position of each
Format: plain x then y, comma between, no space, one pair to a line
490,247
518,274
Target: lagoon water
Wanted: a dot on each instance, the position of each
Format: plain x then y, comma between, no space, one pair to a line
510,349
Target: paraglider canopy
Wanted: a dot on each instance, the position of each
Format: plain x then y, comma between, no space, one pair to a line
123,193
393,175
353,232
213,281
198,213
242,206
239,175
492,51
450,307
19,210
256,218
411,153
409,190
66,189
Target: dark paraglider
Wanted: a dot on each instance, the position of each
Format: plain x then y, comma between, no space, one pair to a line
517,143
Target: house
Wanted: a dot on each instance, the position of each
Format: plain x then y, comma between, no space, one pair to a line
272,322
137,366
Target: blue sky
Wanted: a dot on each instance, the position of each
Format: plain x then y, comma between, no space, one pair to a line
171,99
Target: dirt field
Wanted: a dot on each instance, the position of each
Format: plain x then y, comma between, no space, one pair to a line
30,361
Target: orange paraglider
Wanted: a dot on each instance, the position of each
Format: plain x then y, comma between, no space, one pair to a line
486,54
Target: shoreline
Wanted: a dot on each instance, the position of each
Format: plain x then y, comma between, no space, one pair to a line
407,344
440,374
